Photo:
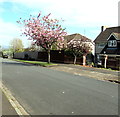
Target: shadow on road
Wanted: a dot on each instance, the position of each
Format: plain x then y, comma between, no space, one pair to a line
17,63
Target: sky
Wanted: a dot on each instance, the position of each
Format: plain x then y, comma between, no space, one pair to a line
80,16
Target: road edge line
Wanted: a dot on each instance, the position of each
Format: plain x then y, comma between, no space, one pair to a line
15,104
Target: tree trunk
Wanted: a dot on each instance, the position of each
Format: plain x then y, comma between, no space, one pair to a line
75,59
84,60
13,55
48,55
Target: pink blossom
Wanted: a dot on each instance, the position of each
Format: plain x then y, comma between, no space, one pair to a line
43,31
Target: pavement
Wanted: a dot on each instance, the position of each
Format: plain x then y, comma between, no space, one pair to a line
91,72
7,108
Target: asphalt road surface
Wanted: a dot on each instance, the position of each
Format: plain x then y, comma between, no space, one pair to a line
43,91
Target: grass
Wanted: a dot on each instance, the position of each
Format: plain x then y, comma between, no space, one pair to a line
45,64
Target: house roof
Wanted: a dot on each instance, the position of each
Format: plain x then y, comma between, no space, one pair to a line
103,36
76,36
117,35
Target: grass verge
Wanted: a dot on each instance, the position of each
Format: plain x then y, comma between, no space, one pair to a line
44,64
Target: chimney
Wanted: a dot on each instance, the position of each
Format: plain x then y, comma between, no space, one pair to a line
103,28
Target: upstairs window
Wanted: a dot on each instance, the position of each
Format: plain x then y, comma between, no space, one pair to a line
112,43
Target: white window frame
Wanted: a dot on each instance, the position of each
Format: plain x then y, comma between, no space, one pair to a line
112,43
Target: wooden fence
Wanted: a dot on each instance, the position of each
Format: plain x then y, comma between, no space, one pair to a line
112,62
58,56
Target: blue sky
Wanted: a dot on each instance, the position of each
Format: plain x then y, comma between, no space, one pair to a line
81,16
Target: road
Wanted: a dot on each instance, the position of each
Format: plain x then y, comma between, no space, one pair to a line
43,91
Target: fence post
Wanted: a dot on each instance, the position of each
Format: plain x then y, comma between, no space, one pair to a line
105,64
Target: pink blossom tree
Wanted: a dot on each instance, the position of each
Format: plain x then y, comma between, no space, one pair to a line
44,32
81,46
75,48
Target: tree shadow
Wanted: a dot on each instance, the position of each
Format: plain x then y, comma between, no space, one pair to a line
17,63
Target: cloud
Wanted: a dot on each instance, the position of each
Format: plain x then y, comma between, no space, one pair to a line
77,11
9,31
78,15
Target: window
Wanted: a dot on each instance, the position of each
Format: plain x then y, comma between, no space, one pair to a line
112,43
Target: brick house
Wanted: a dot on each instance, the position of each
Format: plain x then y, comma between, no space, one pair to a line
107,47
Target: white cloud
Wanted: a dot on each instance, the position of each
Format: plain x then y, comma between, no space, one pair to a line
1,1
9,31
76,13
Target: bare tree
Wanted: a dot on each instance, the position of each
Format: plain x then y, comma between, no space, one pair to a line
16,45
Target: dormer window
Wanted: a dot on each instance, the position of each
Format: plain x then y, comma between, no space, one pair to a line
112,43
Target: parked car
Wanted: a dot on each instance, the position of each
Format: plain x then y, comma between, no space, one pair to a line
5,56
99,64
